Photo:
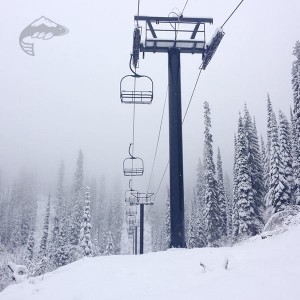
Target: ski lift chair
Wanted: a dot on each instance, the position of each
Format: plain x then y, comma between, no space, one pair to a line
131,197
135,88
130,232
131,210
131,91
133,166
132,222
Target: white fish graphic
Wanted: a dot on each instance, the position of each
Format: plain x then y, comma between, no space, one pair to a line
41,28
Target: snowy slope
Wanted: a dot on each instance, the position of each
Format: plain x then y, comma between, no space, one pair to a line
259,269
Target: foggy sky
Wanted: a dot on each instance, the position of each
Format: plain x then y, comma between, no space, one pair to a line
66,98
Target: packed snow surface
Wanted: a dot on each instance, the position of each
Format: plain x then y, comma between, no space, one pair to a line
261,269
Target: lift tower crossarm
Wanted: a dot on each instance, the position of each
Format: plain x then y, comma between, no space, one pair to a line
189,34
173,19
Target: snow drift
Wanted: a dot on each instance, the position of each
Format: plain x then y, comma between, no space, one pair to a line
259,269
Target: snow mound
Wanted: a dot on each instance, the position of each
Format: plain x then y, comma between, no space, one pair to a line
282,221
265,269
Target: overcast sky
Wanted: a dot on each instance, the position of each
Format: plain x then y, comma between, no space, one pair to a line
66,97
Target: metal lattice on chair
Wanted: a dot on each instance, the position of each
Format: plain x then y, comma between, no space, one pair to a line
131,195
131,91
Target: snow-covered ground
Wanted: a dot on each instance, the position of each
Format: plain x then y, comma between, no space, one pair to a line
260,269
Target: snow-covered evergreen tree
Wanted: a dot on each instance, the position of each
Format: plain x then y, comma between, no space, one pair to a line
30,245
192,229
199,196
196,231
110,248
60,192
77,198
15,219
229,207
158,230
278,195
222,197
243,188
43,255
212,209
86,227
295,163
285,143
29,204
265,163
296,120
256,168
235,217
63,251
41,266
115,217
44,241
99,217
270,113
95,242
53,244
168,221
60,211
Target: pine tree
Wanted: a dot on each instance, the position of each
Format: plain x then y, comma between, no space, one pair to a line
244,193
115,217
94,203
95,242
15,219
43,257
256,172
296,119
44,240
86,227
270,113
235,216
167,221
200,206
28,201
99,220
158,230
110,248
30,245
229,207
212,209
78,205
192,230
265,164
285,143
6,218
60,192
295,163
54,246
29,255
196,233
222,196
277,196
63,251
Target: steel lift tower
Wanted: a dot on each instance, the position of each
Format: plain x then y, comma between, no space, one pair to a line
193,42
